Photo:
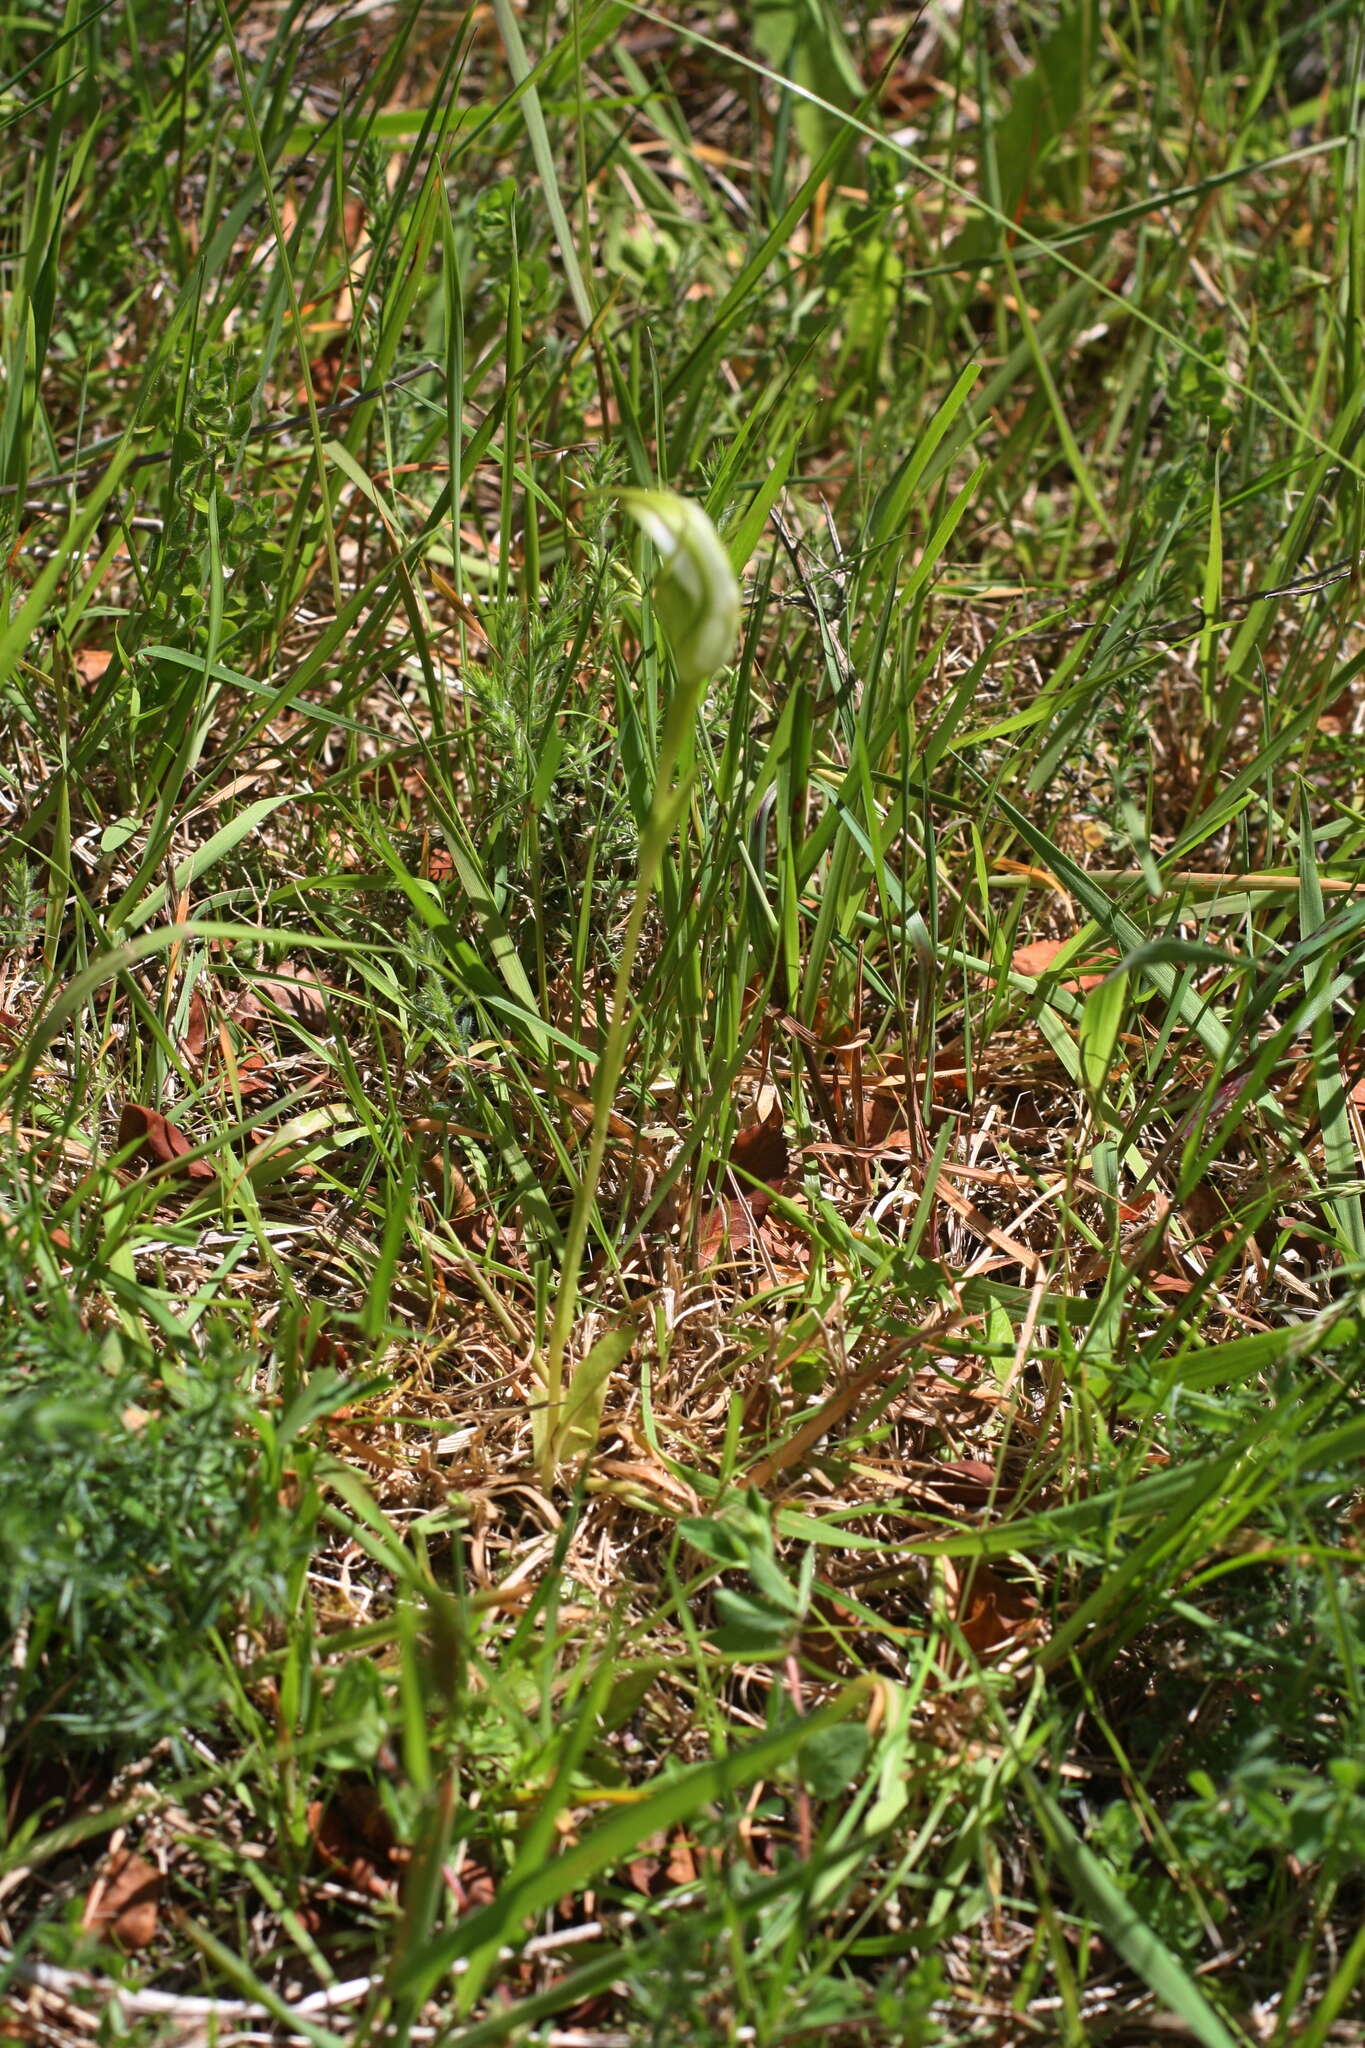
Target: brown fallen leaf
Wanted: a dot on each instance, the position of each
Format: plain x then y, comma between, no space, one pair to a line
449,1189
196,1026
682,1862
157,1142
123,1901
352,1837
473,1884
760,1149
785,1245
737,1222
885,1122
1339,716
326,1353
992,1613
254,1082
1038,957
664,1861
967,1483
91,662
292,992
643,1874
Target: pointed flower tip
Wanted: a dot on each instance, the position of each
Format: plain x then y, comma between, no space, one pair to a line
696,594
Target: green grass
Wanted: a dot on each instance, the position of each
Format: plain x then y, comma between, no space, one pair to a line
681,1440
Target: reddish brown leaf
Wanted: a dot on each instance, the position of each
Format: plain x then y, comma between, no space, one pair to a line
735,1222
325,1352
352,1837
786,1246
254,1083
157,1142
449,1188
643,1873
123,1901
473,1884
885,1124
759,1149
331,376
1339,715
91,662
1038,957
196,1026
993,1613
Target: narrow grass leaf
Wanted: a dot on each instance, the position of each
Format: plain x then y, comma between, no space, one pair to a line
1342,1160
1122,1927
677,1799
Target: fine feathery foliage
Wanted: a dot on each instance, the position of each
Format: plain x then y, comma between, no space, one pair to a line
142,1515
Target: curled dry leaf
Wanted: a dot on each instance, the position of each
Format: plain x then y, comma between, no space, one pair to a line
124,1900
157,1142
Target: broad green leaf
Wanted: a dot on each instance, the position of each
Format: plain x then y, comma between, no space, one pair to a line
575,1433
1099,1030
